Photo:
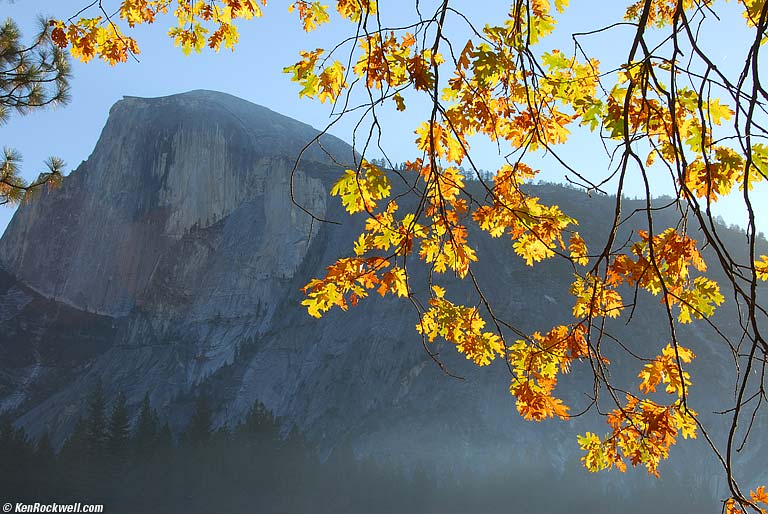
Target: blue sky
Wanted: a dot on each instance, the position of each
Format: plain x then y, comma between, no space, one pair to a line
253,72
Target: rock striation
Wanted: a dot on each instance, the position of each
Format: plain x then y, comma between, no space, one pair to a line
162,169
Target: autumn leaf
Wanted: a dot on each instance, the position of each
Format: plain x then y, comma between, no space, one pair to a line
359,191
596,457
331,82
436,138
578,249
759,495
312,14
394,281
462,326
595,298
665,369
304,72
399,101
716,177
761,267
353,10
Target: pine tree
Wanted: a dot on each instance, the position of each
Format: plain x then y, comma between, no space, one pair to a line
6,438
44,465
44,455
75,448
119,428
77,460
146,431
96,423
165,437
261,425
16,452
201,424
32,75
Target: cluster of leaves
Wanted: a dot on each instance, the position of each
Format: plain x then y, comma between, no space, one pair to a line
493,92
502,87
642,430
461,326
756,497
661,266
537,363
90,37
200,24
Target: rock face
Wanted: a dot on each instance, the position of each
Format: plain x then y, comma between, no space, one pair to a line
180,222
171,261
165,168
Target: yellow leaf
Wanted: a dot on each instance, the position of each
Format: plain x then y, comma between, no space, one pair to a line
304,72
331,82
311,14
399,101
578,249
360,191
761,267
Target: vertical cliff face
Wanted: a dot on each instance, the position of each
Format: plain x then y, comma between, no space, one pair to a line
163,169
178,234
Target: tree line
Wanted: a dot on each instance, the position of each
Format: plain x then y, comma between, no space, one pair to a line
136,464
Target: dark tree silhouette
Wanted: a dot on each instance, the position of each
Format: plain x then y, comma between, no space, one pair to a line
201,424
119,430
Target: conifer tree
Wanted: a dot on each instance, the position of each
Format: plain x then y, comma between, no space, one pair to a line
96,423
164,437
43,465
146,431
6,429
201,424
76,445
15,439
32,75
44,453
260,426
119,428
16,460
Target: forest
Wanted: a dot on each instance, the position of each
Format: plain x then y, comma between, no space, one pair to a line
135,464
